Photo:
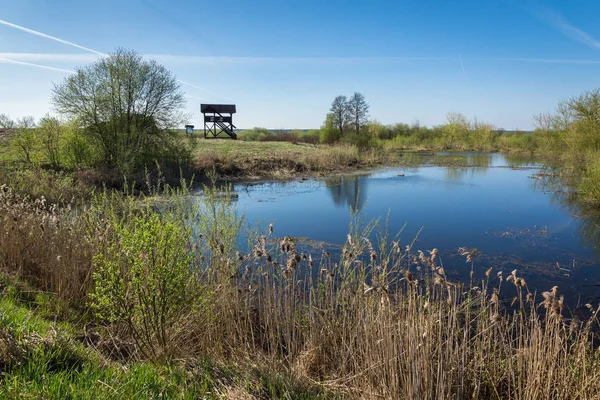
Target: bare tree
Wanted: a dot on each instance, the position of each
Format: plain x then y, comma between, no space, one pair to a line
6,122
359,111
126,105
340,113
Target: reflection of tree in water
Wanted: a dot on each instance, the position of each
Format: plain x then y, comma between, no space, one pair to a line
348,191
473,163
560,189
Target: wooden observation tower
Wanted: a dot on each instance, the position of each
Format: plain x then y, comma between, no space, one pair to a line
218,119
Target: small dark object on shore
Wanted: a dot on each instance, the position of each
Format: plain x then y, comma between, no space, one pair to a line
400,175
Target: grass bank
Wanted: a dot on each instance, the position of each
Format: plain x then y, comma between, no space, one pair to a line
282,159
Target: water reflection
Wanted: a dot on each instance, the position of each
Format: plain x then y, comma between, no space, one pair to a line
348,191
484,201
560,189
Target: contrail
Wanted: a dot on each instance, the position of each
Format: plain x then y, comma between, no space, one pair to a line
22,28
7,60
463,68
204,90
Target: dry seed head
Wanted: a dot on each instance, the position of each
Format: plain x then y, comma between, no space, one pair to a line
438,280
589,306
488,273
239,256
350,242
529,297
554,291
270,229
268,257
495,318
494,299
257,252
434,254
373,255
310,261
514,272
291,263
520,282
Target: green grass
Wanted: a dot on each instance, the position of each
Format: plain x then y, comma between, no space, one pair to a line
44,359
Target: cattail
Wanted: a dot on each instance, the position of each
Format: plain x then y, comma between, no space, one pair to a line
434,254
291,263
270,229
495,298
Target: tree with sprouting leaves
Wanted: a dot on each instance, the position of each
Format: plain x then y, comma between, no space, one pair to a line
359,111
340,114
126,105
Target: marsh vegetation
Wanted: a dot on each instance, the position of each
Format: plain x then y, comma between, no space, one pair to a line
115,282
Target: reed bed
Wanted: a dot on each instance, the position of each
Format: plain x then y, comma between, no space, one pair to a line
379,320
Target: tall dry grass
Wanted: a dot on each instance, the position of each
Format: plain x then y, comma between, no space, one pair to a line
379,320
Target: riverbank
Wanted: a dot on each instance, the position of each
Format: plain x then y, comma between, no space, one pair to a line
134,302
236,160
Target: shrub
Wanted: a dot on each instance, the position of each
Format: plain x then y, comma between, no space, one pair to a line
146,280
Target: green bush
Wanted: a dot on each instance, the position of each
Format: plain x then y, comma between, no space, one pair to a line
146,280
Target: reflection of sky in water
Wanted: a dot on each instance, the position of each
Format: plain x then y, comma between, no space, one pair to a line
462,206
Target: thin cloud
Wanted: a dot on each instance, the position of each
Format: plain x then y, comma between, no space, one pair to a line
9,61
557,21
204,90
22,28
33,32
538,60
52,57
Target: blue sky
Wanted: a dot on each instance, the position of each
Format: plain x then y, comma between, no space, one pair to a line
283,62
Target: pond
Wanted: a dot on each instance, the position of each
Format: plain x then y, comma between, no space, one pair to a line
500,205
